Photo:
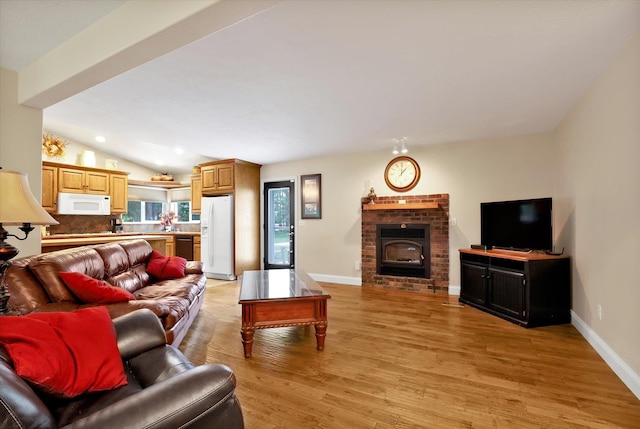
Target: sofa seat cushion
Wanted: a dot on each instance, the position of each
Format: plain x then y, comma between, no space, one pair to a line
173,309
51,351
187,288
67,411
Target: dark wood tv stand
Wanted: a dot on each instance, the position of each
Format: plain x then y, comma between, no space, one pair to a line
529,289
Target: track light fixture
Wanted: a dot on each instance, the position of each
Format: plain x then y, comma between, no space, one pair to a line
400,146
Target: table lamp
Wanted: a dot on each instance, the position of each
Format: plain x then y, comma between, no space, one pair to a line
18,207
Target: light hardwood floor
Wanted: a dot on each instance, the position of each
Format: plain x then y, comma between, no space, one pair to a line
404,360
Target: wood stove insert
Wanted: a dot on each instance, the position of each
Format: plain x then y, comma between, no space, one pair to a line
403,250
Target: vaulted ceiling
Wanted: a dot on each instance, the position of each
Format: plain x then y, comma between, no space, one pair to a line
304,79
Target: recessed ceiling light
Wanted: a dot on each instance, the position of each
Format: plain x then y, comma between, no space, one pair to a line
179,150
100,139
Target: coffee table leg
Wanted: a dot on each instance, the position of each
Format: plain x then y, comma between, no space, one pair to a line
321,333
247,341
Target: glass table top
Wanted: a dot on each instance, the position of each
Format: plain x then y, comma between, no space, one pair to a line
278,284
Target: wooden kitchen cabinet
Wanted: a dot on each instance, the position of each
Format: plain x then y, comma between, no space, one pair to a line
196,193
170,249
58,177
218,177
197,246
50,188
83,181
119,191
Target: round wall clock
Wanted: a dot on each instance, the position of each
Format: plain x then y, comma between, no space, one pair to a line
402,174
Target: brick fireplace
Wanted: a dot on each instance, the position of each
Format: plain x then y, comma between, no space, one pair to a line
429,212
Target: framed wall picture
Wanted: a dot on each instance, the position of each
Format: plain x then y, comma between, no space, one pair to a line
311,196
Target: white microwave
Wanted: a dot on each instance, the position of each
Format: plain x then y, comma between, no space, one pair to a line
83,204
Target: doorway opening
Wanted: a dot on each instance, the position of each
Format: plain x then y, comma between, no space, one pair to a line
279,229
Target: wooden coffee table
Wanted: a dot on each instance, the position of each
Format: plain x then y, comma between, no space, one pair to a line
278,298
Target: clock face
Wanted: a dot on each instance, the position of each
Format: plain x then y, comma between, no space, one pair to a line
402,174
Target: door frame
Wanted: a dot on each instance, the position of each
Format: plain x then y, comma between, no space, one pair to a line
295,201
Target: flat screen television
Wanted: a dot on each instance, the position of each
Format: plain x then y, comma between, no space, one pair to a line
519,225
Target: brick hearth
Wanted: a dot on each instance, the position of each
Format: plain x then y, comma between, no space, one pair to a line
437,217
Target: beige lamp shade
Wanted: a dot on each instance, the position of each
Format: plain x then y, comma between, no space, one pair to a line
17,203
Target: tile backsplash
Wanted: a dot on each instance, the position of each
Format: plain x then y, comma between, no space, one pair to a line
77,224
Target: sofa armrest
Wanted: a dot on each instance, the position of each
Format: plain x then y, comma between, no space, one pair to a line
202,397
194,267
138,332
20,407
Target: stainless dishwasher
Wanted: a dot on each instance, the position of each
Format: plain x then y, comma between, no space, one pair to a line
184,246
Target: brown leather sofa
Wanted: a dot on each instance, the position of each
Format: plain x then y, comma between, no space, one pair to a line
164,390
35,286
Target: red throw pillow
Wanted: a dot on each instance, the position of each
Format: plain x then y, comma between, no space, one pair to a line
166,267
88,289
65,354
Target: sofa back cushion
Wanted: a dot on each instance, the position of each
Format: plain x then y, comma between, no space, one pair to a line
117,266
26,293
46,267
114,257
139,252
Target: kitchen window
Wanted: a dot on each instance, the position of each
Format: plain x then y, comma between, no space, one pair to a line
150,211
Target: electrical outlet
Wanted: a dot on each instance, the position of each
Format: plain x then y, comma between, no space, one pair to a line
453,221
599,311
358,266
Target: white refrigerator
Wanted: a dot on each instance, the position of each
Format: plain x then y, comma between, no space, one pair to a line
216,230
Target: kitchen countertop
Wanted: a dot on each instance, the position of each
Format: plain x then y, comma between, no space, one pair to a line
87,239
118,234
99,238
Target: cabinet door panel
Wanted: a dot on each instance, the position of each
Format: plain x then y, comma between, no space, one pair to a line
70,180
196,194
225,177
209,178
97,183
506,292
49,188
473,283
119,193
197,248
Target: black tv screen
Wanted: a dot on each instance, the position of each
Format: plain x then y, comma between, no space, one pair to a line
521,224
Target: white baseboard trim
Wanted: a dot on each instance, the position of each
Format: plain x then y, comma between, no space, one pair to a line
622,370
353,281
454,290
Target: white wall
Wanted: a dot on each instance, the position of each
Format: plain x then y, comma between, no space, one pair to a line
599,191
74,150
470,172
20,147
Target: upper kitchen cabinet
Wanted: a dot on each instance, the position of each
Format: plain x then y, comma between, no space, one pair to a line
217,177
119,187
196,193
80,180
77,179
227,176
49,188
